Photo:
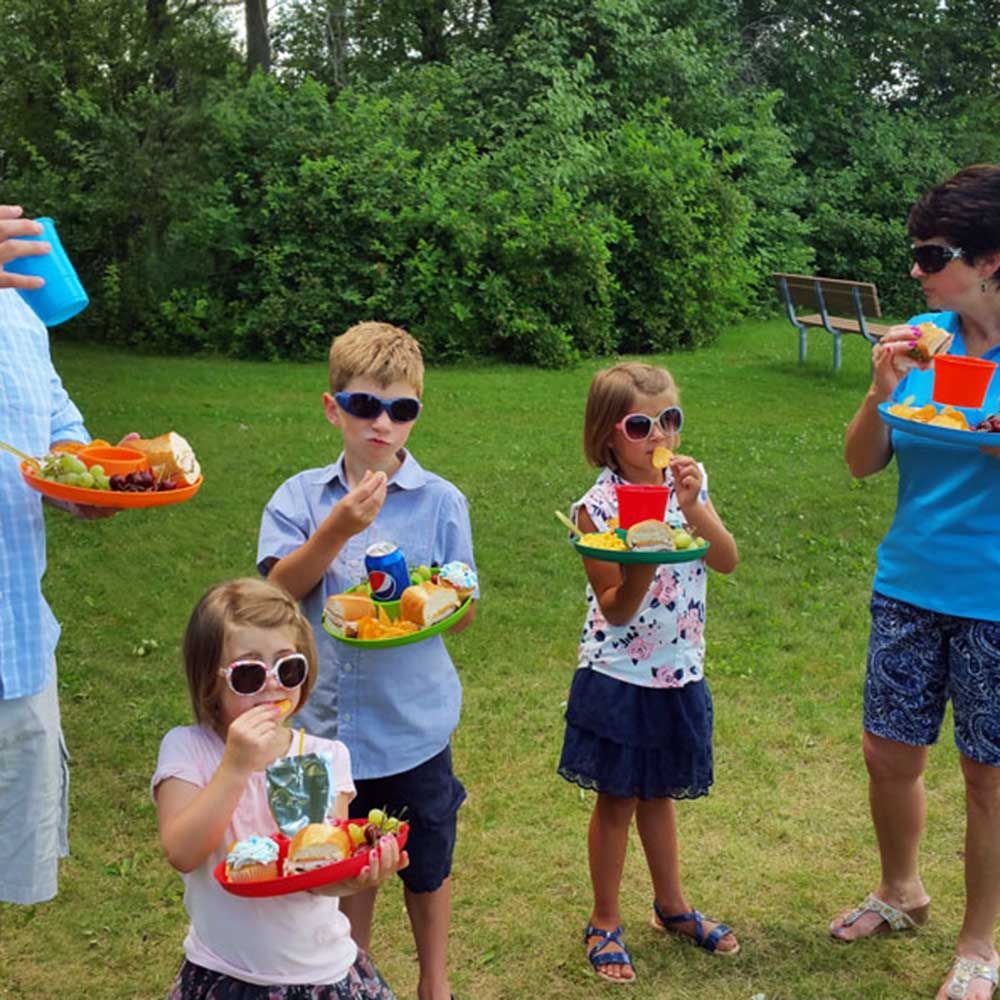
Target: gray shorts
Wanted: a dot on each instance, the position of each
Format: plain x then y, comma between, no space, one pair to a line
34,796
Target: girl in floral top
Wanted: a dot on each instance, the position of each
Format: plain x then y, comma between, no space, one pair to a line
639,716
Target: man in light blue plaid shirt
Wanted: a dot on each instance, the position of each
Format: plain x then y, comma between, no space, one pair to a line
35,413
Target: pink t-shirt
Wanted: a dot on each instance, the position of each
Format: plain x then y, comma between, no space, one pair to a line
301,938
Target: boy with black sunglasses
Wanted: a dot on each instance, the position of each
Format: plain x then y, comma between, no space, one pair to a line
395,708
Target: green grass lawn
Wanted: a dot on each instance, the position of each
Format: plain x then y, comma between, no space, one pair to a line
783,841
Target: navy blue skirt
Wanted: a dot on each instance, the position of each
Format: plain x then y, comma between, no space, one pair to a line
638,742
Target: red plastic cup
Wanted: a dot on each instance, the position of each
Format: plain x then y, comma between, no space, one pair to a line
640,503
961,381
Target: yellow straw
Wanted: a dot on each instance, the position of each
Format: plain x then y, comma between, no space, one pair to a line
302,739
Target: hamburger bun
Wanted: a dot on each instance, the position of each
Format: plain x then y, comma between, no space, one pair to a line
651,535
170,457
343,611
316,845
427,603
933,340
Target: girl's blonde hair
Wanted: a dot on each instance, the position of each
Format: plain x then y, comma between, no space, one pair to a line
612,394
378,351
247,601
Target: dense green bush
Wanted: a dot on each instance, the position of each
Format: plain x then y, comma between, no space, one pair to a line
312,215
533,179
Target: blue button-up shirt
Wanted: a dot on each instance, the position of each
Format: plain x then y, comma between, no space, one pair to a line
35,412
394,708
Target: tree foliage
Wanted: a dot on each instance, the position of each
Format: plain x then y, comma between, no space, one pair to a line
532,180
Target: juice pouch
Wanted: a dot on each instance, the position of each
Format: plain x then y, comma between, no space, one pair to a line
300,791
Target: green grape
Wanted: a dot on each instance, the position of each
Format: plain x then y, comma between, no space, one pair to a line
70,463
97,470
84,479
682,540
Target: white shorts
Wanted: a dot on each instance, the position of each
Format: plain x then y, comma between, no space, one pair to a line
34,796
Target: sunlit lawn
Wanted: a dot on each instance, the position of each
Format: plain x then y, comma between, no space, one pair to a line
781,844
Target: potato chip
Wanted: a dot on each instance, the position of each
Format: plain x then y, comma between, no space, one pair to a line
383,627
661,457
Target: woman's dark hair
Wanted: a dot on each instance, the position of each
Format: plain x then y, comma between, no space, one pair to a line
964,210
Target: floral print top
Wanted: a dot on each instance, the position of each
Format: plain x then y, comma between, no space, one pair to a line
664,643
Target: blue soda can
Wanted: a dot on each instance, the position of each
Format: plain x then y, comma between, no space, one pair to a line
388,576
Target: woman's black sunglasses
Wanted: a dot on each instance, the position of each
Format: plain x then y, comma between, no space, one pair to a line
401,410
934,257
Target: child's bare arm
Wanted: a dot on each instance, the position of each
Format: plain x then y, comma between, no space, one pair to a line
619,587
193,820
702,516
301,570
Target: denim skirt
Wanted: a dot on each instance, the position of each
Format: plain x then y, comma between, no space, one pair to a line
638,742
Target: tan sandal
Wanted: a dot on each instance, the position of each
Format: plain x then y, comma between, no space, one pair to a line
893,919
964,971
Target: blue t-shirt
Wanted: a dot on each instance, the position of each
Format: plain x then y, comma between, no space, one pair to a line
942,550
394,708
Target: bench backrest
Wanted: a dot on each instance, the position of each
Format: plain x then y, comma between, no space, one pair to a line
838,294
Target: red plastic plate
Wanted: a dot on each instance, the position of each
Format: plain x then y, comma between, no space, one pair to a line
284,884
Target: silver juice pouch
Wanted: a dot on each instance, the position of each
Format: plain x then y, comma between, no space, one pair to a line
300,791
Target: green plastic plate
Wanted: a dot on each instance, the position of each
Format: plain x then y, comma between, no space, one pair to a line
631,556
403,640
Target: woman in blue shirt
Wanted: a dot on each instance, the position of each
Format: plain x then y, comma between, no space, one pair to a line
935,632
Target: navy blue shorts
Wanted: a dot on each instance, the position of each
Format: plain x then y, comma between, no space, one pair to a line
638,742
428,797
917,660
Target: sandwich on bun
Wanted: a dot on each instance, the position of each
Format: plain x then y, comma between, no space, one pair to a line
171,458
651,535
933,340
315,846
343,612
426,603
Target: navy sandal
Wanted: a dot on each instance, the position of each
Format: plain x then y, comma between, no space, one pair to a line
709,942
599,958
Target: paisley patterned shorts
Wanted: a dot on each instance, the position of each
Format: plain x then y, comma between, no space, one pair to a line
362,982
917,660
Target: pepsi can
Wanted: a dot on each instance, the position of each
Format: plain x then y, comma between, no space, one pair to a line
388,576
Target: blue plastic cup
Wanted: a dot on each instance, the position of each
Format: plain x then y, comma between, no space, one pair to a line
62,296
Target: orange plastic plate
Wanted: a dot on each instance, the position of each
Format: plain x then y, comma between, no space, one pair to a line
107,498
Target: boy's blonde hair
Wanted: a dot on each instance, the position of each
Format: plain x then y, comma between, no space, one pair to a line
377,351
611,397
247,601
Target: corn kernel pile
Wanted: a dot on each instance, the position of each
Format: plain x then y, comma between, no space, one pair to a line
603,540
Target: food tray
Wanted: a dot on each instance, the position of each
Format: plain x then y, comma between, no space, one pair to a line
107,498
403,640
285,884
944,435
633,556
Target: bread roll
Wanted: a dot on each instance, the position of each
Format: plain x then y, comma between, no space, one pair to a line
170,458
343,611
651,535
427,603
933,340
316,845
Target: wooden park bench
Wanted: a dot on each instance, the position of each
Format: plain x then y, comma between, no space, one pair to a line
831,298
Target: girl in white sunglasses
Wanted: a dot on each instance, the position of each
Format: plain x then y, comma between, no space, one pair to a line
251,660
639,715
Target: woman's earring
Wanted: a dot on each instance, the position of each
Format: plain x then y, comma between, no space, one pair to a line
982,287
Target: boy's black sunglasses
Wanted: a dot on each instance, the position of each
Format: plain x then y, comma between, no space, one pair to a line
401,410
934,257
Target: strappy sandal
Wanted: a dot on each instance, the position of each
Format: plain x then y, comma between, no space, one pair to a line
893,919
709,942
599,958
964,971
